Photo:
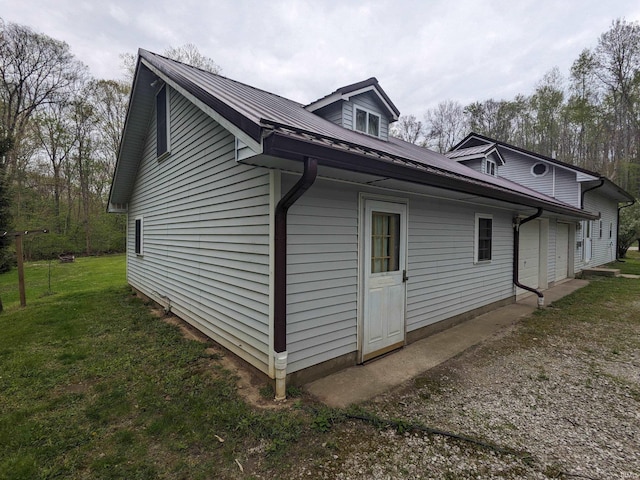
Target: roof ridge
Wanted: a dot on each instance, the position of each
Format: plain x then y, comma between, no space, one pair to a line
224,77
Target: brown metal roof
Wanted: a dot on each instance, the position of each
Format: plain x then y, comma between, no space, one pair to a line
287,142
285,124
467,152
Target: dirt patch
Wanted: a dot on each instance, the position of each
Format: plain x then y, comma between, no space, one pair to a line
249,381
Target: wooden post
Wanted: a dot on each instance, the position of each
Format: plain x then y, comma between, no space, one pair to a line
23,296
18,236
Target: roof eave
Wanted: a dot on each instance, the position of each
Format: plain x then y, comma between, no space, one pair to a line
284,146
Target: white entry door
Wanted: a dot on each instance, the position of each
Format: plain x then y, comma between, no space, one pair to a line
384,244
562,251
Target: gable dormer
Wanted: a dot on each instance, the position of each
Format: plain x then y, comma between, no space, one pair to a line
484,158
363,107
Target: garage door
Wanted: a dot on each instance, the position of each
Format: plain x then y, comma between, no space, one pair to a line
562,251
529,256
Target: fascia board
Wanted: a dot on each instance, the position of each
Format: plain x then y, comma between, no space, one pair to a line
370,88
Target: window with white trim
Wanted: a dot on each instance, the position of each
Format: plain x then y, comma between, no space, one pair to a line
366,121
483,238
139,236
610,229
491,168
600,228
163,140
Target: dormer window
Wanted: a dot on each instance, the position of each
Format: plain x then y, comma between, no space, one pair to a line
491,168
367,122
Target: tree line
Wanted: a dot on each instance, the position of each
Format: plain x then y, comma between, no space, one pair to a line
589,118
60,131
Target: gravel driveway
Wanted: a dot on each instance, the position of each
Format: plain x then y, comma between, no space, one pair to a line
561,389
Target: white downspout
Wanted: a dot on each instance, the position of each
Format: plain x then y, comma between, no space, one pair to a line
280,365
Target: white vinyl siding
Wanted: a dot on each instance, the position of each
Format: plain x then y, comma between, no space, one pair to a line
322,267
517,168
322,273
206,233
476,164
603,250
567,189
443,280
557,182
333,113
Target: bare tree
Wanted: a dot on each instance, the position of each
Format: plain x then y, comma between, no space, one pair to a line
34,70
54,135
409,129
445,125
187,53
109,100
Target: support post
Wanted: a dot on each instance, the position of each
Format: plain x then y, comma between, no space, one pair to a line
23,295
18,236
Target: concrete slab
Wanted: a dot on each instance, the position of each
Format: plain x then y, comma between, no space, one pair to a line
363,382
600,272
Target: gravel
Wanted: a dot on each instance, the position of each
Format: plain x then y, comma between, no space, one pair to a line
569,407
569,411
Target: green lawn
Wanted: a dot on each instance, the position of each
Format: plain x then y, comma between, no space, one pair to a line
630,264
94,386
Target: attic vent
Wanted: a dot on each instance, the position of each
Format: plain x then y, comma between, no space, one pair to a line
539,169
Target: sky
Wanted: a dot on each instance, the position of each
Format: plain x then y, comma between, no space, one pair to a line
421,52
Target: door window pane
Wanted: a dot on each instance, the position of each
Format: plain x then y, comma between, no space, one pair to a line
385,242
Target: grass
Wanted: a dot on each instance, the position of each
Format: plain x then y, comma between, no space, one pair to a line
94,386
630,265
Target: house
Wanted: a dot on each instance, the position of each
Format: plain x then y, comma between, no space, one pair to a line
571,247
304,238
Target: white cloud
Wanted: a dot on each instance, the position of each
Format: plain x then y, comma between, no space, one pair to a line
422,52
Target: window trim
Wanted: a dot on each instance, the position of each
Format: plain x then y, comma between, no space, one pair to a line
546,169
476,243
164,92
138,236
368,112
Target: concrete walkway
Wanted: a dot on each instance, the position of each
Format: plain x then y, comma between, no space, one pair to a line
363,382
